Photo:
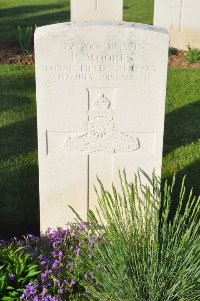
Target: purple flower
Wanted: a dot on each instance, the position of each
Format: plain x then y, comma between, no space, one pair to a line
3,242
72,282
53,253
56,251
77,251
69,230
44,260
30,291
55,234
11,276
81,227
48,231
55,243
45,274
55,263
86,294
32,237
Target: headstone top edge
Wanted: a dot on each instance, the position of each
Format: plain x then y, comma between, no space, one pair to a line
88,24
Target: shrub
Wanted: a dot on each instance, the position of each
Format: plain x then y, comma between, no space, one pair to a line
143,256
56,254
25,39
172,51
193,54
16,270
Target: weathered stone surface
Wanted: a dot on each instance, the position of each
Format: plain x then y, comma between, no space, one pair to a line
100,106
96,10
182,19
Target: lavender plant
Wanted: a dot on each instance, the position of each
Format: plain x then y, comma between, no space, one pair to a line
143,255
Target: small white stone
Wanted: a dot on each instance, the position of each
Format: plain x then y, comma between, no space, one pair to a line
182,19
96,10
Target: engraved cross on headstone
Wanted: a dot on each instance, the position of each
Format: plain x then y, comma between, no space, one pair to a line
181,6
96,10
101,136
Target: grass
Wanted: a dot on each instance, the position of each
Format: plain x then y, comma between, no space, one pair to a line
182,127
139,11
43,12
18,151
18,136
19,197
29,12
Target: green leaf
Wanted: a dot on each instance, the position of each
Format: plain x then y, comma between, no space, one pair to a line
2,282
7,299
10,288
32,267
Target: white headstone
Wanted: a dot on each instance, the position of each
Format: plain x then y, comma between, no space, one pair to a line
96,10
182,19
100,107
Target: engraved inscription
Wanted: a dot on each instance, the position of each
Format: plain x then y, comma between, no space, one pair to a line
93,72
102,134
122,46
92,61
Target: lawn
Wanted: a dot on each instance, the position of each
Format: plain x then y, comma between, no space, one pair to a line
182,127
42,12
19,197
18,151
18,148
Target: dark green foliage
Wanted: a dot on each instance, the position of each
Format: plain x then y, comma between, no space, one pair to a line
172,51
16,270
25,39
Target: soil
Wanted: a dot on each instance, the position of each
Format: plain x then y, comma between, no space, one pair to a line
13,56
178,60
